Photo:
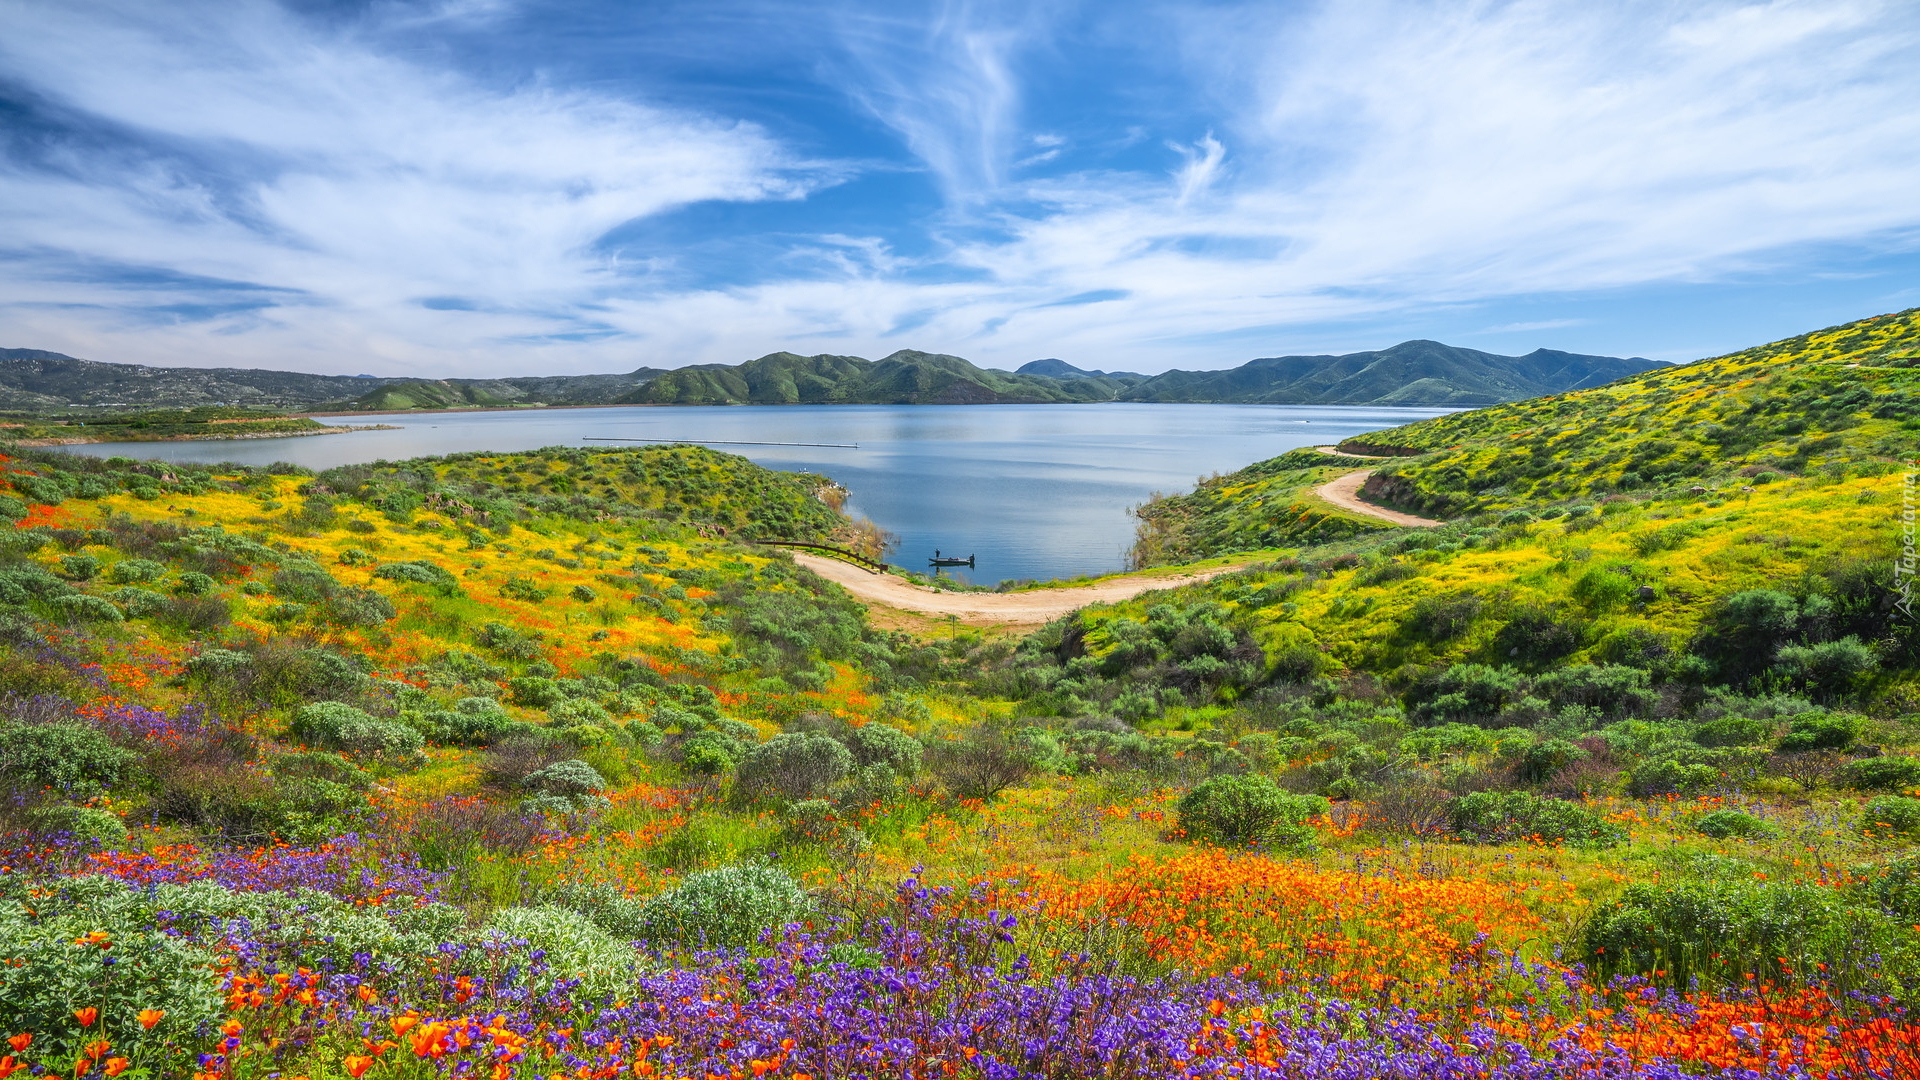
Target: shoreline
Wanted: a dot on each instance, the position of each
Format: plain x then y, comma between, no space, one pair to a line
82,441
1443,409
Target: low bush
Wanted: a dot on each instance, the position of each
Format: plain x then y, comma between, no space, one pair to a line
1886,773
1501,817
1728,932
338,726
91,825
882,744
136,572
522,589
74,760
727,907
1733,825
568,778
533,692
792,766
553,944
1733,731
1819,731
1249,810
980,764
87,608
418,573
1891,816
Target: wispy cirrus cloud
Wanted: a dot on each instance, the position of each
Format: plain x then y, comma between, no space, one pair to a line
237,142
1126,185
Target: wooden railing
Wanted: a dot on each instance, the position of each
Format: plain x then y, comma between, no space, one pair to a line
854,557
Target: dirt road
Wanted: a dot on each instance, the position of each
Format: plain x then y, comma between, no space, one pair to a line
1345,494
1031,608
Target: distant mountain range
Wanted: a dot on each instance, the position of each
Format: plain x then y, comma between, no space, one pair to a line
1413,373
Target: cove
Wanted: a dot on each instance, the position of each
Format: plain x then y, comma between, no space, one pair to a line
1032,491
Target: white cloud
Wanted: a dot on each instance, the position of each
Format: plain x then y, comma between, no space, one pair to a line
362,182
1385,156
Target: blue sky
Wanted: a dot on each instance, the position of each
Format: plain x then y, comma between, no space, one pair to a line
490,187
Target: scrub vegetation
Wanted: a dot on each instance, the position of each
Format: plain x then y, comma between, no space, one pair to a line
536,765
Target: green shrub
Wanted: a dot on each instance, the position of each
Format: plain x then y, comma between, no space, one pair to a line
1733,825
1668,776
74,760
573,712
792,766
1829,670
728,907
583,593
521,589
1725,933
567,778
90,608
419,573
473,721
79,567
90,824
881,744
533,692
353,606
606,905
1612,690
1500,817
1465,693
1820,731
1891,816
1249,810
194,583
1733,731
1602,590
574,948
303,582
507,642
1887,773
338,726
45,974
705,758
1543,759
138,603
1893,888
135,572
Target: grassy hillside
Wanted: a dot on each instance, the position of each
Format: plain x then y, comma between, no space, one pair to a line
528,765
1267,504
1840,401
903,378
1412,373
206,422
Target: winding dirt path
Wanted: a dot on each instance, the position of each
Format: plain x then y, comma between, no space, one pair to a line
1033,607
1345,494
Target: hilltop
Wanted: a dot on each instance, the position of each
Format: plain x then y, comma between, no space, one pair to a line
1413,373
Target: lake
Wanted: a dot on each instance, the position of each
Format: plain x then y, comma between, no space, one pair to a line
1032,491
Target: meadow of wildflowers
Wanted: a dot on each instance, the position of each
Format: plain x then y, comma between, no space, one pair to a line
535,765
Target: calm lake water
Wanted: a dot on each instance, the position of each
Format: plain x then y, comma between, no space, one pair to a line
1033,491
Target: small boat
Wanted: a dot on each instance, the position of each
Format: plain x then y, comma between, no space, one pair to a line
939,560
